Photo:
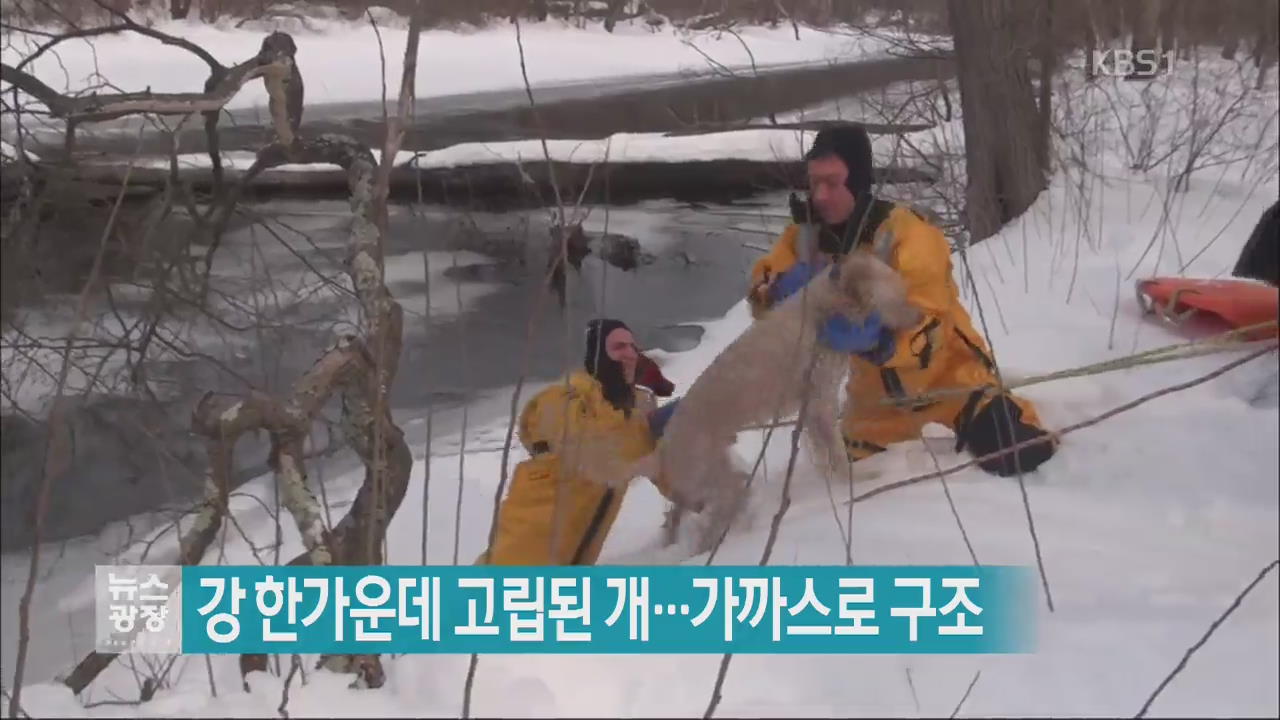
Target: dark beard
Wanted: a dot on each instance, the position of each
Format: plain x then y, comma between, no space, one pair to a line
614,386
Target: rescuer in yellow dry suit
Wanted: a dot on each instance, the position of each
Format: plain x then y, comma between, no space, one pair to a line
601,410
943,351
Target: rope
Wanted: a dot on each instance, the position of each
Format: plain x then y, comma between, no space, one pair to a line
1224,342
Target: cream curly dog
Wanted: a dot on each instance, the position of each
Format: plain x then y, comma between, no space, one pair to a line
762,377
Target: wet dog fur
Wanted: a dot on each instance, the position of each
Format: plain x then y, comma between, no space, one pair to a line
760,378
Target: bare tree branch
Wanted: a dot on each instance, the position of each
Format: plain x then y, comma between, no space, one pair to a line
1205,638
967,690
362,369
95,107
57,456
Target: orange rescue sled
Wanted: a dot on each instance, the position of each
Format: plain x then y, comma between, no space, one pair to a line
1231,302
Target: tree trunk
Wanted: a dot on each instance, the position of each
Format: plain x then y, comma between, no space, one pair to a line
615,9
1266,44
1047,54
822,12
178,9
846,12
1145,24
1090,39
1230,31
1001,126
1112,21
1170,21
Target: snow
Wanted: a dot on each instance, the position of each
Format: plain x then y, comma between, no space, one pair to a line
762,145
340,61
9,152
755,144
1149,523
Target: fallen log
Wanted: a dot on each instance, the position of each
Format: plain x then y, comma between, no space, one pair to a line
504,185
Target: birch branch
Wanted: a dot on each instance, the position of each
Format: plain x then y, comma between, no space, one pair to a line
348,367
109,106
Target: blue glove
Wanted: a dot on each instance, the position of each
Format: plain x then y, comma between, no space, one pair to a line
791,281
871,340
659,417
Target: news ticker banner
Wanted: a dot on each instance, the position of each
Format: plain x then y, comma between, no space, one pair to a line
600,609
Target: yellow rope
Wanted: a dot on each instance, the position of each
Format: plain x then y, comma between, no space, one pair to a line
1224,342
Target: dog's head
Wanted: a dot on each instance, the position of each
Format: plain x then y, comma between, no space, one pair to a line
865,283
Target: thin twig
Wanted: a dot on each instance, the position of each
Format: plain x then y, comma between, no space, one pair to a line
57,452
968,690
462,450
208,666
426,333
533,318
946,489
294,663
1008,423
1205,638
382,60
783,505
504,465
912,685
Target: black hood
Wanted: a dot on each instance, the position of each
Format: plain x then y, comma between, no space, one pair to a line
852,145
607,371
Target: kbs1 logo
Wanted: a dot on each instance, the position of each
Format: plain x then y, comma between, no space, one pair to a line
1138,65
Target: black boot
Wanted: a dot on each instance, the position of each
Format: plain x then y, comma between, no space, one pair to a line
999,426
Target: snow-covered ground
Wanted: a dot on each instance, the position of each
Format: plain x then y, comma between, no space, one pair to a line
340,61
1149,523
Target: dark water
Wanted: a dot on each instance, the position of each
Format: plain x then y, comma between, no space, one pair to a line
131,455
693,269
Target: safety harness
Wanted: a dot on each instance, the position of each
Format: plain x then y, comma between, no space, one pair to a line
881,246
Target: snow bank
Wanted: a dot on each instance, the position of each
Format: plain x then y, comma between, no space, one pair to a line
764,145
756,144
340,61
761,145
